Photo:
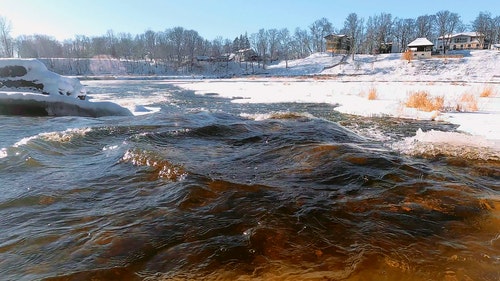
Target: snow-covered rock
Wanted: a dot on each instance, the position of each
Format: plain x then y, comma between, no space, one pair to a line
27,87
32,75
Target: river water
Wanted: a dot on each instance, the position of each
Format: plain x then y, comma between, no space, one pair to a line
207,189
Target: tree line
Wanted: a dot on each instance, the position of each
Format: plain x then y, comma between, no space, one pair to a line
178,46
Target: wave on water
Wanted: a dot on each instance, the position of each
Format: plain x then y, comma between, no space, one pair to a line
432,144
54,137
218,196
161,168
61,137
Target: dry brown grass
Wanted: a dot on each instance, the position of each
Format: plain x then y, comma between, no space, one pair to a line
421,100
372,94
487,92
467,102
407,55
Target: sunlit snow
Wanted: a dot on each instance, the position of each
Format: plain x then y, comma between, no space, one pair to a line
393,79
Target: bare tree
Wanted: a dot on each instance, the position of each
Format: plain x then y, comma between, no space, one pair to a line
175,37
319,29
216,47
273,39
424,26
26,47
383,27
6,42
150,40
496,30
378,32
404,31
483,24
98,44
285,41
111,43
302,43
353,27
192,43
125,46
46,46
447,23
81,47
368,43
262,41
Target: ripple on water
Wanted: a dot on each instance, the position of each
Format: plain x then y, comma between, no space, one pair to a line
217,197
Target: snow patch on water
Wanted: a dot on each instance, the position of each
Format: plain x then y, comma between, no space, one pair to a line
276,115
437,143
3,153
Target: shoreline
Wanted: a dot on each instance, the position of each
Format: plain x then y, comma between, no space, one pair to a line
352,98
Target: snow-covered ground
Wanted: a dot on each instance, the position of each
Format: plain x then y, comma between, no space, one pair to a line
474,66
459,82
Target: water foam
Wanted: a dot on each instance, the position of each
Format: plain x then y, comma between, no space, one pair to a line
65,136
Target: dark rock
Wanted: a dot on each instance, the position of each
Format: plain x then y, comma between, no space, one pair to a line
30,108
13,71
23,84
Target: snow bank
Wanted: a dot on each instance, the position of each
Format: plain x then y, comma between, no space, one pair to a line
28,88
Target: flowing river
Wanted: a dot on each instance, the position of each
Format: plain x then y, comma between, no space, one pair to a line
207,189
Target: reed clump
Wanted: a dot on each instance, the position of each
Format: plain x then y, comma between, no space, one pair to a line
372,94
421,100
467,102
487,92
407,55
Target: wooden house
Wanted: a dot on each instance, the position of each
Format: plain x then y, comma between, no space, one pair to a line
338,43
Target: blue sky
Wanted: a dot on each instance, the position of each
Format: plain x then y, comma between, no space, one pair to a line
63,19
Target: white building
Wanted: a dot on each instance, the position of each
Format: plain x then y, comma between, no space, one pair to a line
462,41
421,48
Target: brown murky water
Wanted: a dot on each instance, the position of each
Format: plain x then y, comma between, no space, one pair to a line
197,192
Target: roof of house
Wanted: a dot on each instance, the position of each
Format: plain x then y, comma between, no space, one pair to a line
469,34
420,42
330,36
